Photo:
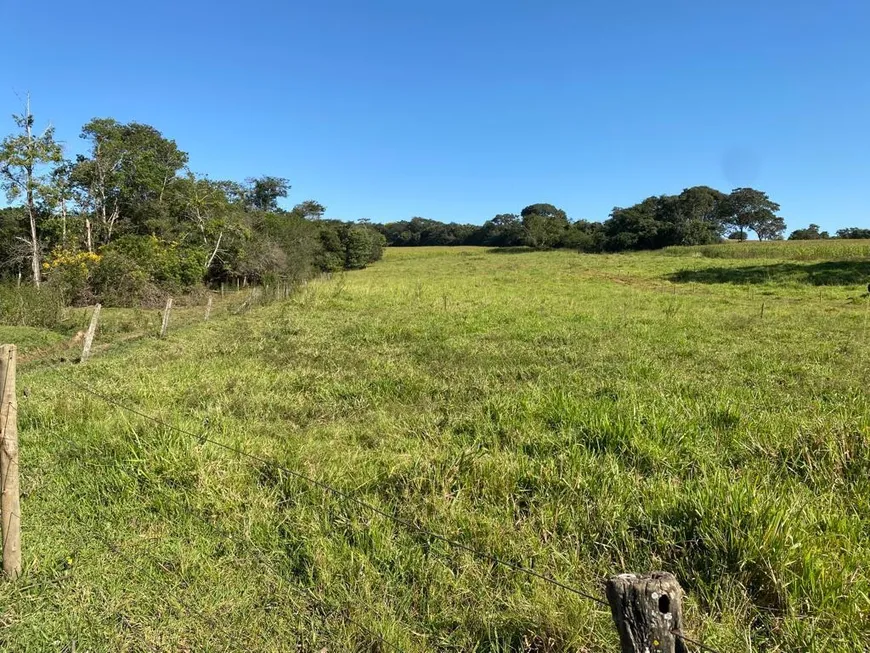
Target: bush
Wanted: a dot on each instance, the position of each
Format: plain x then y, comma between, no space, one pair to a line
348,246
70,273
119,281
169,265
362,245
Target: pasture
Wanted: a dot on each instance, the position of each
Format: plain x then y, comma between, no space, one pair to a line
579,415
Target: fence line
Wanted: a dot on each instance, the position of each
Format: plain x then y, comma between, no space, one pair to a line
346,496
263,560
353,499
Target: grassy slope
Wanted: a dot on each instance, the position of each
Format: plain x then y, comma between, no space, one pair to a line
581,414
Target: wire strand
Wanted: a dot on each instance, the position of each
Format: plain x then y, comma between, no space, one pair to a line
348,497
694,642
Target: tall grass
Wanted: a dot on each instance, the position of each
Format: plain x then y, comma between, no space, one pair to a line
790,250
27,305
582,415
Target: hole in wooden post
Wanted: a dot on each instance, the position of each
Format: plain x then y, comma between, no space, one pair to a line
664,604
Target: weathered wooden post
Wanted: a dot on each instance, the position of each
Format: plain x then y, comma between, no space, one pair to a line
165,326
222,288
208,308
647,611
10,506
89,334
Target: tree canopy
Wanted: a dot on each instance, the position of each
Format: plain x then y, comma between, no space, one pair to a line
810,233
128,218
748,208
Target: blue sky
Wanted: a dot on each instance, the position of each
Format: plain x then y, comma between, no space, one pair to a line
459,110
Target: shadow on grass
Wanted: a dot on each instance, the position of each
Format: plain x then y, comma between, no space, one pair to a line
511,250
829,273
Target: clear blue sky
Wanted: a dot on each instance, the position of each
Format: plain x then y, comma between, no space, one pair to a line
459,110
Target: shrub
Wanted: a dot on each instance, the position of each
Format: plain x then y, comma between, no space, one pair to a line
166,264
119,280
70,272
362,245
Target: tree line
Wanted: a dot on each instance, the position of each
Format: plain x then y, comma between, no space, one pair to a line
129,220
813,232
697,216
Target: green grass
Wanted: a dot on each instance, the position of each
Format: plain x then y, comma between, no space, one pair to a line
792,250
582,415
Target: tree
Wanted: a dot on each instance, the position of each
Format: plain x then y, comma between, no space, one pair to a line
635,227
853,232
810,233
504,230
263,192
127,178
585,236
14,250
697,218
21,158
544,225
58,193
310,210
747,208
208,207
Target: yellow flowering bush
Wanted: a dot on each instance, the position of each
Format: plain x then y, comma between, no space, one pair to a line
71,272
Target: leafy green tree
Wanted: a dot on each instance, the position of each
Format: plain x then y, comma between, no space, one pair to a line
22,159
635,227
810,233
310,210
210,209
853,232
262,193
504,230
747,208
585,236
358,245
544,225
56,200
696,216
127,178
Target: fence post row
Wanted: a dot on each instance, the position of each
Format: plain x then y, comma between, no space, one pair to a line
165,326
89,335
647,611
10,507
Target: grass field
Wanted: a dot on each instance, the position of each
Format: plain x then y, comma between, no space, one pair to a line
582,415
794,250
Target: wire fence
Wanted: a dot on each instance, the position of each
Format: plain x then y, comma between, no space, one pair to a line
350,498
344,496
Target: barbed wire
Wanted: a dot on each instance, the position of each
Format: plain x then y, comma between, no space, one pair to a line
345,496
263,560
260,557
694,642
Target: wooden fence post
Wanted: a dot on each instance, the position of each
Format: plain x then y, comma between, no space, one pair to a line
89,334
165,326
222,288
208,308
647,611
10,507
